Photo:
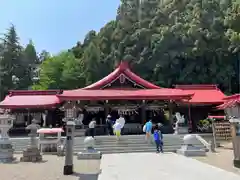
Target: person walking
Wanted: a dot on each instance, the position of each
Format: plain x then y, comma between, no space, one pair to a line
109,124
92,126
158,138
117,129
148,129
121,120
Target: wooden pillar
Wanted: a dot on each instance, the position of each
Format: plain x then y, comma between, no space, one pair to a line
143,112
106,108
170,109
233,130
190,125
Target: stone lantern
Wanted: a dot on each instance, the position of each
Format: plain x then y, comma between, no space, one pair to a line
232,109
235,132
70,110
6,149
32,153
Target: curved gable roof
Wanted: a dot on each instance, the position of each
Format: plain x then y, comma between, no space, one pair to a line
122,69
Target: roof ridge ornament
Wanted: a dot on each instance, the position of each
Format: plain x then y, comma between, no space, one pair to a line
123,65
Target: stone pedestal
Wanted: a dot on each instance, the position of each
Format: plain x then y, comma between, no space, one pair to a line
90,161
180,130
68,165
236,151
188,149
6,149
31,154
235,121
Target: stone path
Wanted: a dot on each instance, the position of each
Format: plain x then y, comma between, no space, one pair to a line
152,166
134,166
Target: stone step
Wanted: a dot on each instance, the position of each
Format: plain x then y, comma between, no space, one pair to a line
108,144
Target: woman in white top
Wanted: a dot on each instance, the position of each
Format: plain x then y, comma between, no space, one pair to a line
121,120
117,129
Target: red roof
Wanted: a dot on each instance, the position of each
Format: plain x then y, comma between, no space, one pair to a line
230,101
233,97
30,99
203,94
122,69
113,94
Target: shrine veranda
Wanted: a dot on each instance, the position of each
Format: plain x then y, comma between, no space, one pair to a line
121,92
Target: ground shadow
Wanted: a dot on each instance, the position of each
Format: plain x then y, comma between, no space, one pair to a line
37,162
86,176
11,162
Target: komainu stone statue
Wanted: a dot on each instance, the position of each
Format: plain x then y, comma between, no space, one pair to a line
178,129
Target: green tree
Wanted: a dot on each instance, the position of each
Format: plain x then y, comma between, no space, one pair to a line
29,65
62,71
169,42
11,57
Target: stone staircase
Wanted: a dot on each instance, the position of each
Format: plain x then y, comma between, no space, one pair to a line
108,144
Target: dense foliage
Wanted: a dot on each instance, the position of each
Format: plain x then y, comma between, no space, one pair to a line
18,65
167,42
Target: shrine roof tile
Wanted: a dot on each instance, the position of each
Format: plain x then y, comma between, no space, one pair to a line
29,101
230,101
109,94
203,94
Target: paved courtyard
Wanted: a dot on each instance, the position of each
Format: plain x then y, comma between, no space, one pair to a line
139,166
151,166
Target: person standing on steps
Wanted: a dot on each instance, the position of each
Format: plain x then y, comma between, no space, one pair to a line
148,129
158,138
117,129
92,126
121,120
109,124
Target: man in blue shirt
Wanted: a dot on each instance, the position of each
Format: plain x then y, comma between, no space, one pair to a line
158,138
148,129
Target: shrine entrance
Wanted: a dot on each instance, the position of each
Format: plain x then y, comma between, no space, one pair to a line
135,113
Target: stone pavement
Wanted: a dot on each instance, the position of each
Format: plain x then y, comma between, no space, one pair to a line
134,166
152,166
223,158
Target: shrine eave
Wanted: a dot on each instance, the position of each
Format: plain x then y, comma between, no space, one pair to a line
204,94
29,101
230,101
143,94
122,70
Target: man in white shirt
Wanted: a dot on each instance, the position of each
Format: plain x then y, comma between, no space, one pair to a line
91,126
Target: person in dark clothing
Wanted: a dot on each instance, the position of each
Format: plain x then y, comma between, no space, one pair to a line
158,138
109,124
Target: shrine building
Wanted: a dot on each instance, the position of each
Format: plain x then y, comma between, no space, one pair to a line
121,92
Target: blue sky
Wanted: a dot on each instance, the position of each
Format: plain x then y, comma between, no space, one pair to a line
55,25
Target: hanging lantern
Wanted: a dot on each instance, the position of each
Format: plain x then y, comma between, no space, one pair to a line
70,109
